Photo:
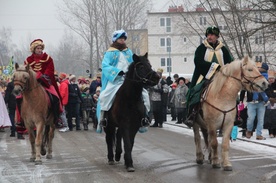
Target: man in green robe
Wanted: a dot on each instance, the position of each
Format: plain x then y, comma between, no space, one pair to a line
209,57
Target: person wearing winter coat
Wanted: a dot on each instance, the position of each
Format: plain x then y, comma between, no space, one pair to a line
179,100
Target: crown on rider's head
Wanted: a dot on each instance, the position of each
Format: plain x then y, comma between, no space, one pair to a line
35,43
160,70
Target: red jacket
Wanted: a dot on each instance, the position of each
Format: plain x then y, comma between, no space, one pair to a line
64,91
43,64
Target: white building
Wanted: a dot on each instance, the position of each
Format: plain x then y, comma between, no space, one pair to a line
173,37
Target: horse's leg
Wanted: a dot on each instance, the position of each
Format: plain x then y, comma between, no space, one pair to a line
32,142
227,166
128,137
50,141
205,137
38,142
197,139
109,138
213,142
118,145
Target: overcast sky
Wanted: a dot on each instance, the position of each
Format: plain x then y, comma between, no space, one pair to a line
32,19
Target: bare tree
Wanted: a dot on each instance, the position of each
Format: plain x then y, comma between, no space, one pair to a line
95,20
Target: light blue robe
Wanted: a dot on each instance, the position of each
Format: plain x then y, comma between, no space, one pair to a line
114,61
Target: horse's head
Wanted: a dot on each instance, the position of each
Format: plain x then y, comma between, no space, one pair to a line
252,79
21,78
142,71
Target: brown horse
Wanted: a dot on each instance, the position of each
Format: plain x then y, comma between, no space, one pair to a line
218,108
35,112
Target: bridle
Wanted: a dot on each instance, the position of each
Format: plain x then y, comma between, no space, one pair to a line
247,78
22,84
142,79
248,81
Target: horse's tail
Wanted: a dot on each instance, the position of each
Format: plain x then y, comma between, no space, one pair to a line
45,140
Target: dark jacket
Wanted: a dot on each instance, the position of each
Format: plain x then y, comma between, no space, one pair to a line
88,102
74,94
249,96
93,86
10,99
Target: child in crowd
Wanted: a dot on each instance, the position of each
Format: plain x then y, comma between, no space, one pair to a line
263,70
88,107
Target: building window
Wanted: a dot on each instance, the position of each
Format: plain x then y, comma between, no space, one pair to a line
258,39
162,42
185,59
169,64
163,62
168,24
259,58
202,20
169,44
185,40
162,22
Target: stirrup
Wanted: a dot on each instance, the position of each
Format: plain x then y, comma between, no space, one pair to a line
103,122
145,122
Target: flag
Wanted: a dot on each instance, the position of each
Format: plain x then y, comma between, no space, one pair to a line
10,67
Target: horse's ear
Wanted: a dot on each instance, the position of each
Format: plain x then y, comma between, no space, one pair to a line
16,66
27,67
245,60
135,58
146,55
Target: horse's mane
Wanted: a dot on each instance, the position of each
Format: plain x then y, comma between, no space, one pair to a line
221,76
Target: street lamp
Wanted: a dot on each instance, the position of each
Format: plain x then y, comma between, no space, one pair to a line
169,63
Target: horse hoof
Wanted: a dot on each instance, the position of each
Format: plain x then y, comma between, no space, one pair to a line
32,159
38,162
200,162
43,152
130,169
49,156
227,168
111,162
216,165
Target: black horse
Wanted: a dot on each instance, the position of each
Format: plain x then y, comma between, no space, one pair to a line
128,109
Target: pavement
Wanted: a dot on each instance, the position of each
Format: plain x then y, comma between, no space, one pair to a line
271,142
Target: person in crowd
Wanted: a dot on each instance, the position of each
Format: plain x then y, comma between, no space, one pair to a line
87,107
82,84
254,109
271,108
4,115
175,77
179,100
263,70
96,95
95,84
171,104
64,93
10,101
169,81
74,101
156,100
209,57
43,65
114,65
164,98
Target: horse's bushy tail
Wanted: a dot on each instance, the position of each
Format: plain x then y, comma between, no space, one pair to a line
45,140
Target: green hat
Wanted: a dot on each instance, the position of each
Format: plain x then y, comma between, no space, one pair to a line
212,30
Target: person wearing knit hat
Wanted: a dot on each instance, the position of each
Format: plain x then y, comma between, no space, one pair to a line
43,65
74,101
114,65
209,57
